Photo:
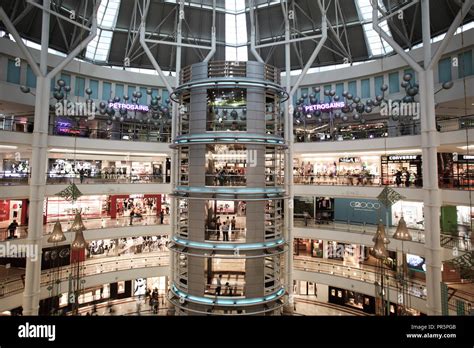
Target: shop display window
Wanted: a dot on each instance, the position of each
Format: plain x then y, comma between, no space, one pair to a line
226,165
227,109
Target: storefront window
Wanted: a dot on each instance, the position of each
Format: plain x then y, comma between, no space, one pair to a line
227,109
226,165
402,170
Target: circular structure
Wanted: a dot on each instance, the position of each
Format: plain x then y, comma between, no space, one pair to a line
228,244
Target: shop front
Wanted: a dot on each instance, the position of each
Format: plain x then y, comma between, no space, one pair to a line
337,170
455,170
402,170
360,211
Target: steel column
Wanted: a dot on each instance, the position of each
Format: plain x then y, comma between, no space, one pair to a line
31,295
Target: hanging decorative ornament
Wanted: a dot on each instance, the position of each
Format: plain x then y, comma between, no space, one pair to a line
79,242
57,235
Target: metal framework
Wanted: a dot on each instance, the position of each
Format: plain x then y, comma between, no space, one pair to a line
429,139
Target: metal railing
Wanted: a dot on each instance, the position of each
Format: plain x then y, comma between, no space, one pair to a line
145,133
418,235
104,178
89,268
367,274
350,180
302,133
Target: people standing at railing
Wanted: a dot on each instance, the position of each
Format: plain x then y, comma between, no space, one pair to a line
219,285
11,229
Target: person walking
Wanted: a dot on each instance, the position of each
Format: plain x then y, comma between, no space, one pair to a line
81,174
132,213
398,178
407,178
162,216
219,285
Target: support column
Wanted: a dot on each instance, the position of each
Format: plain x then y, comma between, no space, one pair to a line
288,217
38,178
432,195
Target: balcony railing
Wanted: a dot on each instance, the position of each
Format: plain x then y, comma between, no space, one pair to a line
418,235
365,273
145,133
11,286
317,133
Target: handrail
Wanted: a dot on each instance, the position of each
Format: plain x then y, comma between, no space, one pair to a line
89,268
364,274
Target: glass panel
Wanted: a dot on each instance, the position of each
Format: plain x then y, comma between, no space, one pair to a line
394,82
30,77
13,72
444,70
465,64
365,88
339,89
106,90
66,78
131,89
80,85
118,91
326,88
378,82
352,88
94,85
144,98
227,109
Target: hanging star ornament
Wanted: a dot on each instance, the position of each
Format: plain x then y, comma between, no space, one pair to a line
70,193
389,197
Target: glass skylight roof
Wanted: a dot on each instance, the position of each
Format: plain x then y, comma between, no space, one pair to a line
235,31
99,48
376,45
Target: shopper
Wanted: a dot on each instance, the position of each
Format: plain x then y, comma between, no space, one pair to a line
132,213
12,229
81,174
398,178
227,226
233,223
407,178
162,216
219,285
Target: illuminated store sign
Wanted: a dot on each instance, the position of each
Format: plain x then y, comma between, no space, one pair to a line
402,158
131,107
349,160
323,106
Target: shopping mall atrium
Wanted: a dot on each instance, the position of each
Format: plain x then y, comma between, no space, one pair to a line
236,157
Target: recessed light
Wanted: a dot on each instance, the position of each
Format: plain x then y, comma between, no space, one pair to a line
8,147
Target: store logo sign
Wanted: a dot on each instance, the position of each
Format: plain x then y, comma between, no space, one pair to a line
130,107
323,106
364,206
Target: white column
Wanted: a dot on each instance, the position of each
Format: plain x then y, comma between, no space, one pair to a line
38,174
432,195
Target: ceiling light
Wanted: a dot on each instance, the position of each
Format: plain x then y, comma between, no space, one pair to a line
8,147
